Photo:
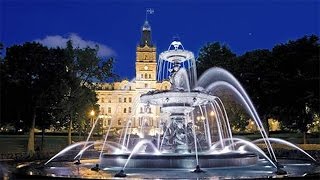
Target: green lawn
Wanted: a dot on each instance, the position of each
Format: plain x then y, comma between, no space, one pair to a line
18,143
296,138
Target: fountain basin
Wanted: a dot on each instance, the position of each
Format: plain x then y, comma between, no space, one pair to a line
179,160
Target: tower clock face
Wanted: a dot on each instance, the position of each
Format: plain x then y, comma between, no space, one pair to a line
146,67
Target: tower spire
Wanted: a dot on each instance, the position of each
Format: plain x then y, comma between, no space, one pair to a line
146,31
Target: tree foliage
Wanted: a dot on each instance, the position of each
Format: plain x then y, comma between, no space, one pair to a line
298,62
215,54
85,67
32,84
41,87
283,83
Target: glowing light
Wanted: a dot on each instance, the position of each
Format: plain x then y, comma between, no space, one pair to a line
212,113
92,113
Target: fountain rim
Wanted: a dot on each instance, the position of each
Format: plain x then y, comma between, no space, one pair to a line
186,98
174,55
181,156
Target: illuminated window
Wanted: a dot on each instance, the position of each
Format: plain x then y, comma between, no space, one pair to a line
140,121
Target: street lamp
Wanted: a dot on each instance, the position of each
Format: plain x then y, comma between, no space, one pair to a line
92,113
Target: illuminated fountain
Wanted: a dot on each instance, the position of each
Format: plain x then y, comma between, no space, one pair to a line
194,129
181,145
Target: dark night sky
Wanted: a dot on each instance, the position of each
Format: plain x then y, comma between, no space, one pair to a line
242,25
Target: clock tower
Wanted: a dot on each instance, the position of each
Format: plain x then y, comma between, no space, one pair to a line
146,64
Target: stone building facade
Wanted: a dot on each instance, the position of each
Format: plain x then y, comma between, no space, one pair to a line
118,100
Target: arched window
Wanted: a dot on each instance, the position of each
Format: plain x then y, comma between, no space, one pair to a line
141,76
141,109
146,76
149,76
125,110
145,85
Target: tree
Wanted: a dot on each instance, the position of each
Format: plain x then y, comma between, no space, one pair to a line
215,54
85,67
259,75
282,83
299,92
33,75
